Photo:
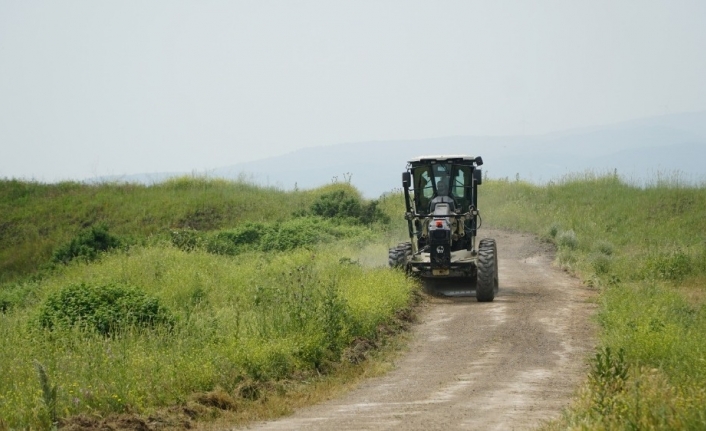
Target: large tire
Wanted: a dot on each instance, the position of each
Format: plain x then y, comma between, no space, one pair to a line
487,285
397,256
406,248
393,257
405,251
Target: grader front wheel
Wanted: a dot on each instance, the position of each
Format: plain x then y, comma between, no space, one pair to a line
487,285
397,256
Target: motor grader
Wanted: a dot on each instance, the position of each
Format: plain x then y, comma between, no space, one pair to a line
441,201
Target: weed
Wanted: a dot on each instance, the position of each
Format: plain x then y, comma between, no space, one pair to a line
608,375
49,393
554,230
567,239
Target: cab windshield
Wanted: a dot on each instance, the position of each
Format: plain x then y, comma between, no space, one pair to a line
441,179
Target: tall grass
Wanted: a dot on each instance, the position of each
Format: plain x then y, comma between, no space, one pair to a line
260,317
644,250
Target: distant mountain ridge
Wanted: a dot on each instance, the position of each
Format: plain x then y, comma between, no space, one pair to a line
639,150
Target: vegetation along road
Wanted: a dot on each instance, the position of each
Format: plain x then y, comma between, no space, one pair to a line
241,304
509,364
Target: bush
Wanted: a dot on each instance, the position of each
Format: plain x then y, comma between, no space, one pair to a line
337,203
600,262
288,235
186,239
232,242
86,245
103,309
296,233
371,214
342,204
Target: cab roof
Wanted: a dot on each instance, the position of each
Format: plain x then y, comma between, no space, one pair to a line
447,158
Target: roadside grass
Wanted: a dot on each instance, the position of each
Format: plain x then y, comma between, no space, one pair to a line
255,325
259,318
644,250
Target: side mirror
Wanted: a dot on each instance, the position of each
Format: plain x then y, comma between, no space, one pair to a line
478,176
406,180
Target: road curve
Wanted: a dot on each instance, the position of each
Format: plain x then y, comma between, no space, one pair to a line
505,365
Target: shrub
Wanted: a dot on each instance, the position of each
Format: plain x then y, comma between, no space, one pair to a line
307,231
104,309
289,235
295,234
337,203
600,262
342,204
186,239
86,245
234,241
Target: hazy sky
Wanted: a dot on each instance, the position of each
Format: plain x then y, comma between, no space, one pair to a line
92,88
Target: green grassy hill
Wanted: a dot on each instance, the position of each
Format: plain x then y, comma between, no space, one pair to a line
36,217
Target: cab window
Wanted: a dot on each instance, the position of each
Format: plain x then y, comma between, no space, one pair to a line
461,187
423,190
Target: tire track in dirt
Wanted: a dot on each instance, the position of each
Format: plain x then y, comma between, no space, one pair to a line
505,365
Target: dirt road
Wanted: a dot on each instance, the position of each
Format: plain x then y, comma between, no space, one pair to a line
505,365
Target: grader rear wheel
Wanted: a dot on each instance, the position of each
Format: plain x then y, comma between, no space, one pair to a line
393,256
